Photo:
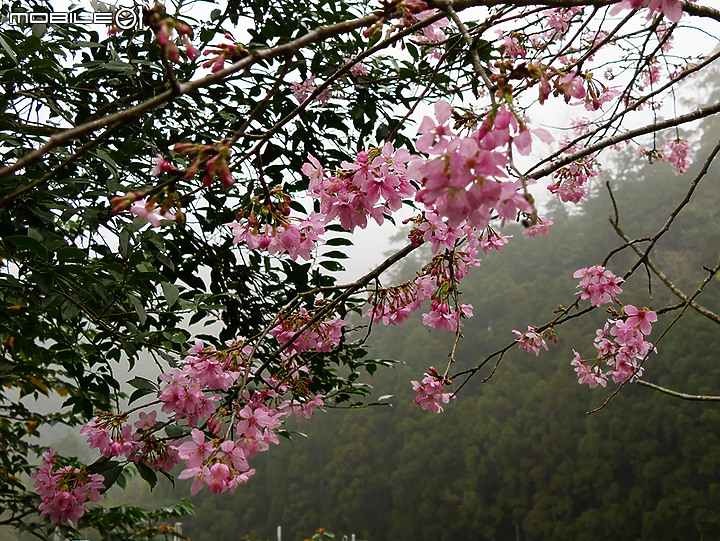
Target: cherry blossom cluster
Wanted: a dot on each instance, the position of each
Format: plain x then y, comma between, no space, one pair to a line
270,226
493,240
573,179
319,336
302,91
462,182
221,463
540,228
393,305
114,437
559,20
430,391
191,393
436,281
432,33
445,271
531,340
677,153
64,491
371,186
511,45
358,69
620,344
598,284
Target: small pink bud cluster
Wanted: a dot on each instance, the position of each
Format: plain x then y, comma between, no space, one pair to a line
163,27
621,343
430,392
122,202
320,336
214,158
598,284
232,51
65,491
358,69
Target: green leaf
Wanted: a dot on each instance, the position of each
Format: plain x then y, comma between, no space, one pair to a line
336,254
139,308
174,431
147,474
29,244
110,471
8,51
143,383
71,253
171,293
339,241
138,394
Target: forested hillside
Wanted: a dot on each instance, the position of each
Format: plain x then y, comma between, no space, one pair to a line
517,457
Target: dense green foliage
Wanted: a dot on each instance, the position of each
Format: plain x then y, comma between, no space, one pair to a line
517,457
84,293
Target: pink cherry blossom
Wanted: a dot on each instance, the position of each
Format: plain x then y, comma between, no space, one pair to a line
540,228
64,491
443,317
593,376
642,319
430,392
598,284
531,340
435,136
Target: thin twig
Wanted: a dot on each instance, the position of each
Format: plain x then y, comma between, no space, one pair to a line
676,394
